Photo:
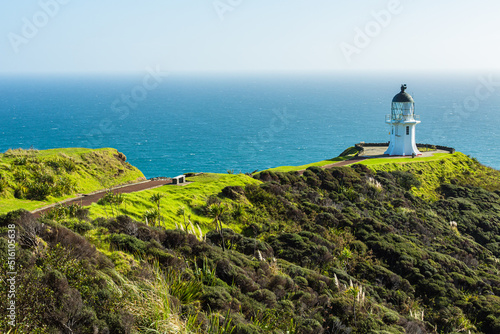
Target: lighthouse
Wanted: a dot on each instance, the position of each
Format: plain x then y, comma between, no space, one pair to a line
402,121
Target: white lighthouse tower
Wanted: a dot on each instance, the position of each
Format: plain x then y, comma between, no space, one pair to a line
402,121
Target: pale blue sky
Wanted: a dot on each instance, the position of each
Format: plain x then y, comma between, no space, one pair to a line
257,35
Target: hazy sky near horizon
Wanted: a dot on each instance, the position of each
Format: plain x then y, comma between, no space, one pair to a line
54,36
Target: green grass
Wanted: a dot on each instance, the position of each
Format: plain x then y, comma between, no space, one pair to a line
347,154
11,204
438,169
192,197
303,167
381,161
92,170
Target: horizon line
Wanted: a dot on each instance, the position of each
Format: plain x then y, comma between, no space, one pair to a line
167,72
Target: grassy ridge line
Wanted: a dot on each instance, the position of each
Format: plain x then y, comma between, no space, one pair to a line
284,169
409,159
438,169
86,170
191,197
348,153
432,171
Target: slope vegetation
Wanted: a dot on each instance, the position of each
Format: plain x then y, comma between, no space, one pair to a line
341,250
177,203
454,168
30,178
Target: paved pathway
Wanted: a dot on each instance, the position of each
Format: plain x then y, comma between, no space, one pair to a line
345,162
85,200
374,152
378,152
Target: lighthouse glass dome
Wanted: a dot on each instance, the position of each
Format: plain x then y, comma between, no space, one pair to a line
403,107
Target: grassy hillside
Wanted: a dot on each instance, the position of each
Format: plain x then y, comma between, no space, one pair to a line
31,179
431,171
191,198
438,169
347,154
353,249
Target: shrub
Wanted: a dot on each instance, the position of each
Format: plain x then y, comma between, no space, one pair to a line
174,239
406,180
118,322
37,191
226,271
166,259
246,329
390,318
73,245
68,164
301,282
267,176
310,326
245,283
82,227
20,161
249,246
127,242
326,219
281,281
215,298
264,296
233,192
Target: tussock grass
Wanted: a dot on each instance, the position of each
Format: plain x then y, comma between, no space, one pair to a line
59,174
151,299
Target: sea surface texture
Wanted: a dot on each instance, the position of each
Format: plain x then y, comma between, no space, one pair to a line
181,123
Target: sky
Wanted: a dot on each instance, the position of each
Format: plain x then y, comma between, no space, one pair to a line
122,36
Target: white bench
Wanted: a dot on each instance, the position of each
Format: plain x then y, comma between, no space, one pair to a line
179,179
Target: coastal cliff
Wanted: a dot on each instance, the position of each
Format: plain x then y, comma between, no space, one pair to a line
373,247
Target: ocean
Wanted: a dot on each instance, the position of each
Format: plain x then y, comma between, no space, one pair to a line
180,123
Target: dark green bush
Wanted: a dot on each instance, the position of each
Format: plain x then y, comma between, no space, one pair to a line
390,318
406,180
215,298
264,296
246,329
127,243
82,227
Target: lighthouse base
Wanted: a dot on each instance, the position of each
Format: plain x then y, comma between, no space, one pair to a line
402,149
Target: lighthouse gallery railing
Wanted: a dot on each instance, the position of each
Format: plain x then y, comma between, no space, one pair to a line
401,117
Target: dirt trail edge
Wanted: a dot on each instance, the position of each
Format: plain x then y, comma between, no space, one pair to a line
339,164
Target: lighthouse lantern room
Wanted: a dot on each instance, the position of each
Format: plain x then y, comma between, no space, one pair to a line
402,121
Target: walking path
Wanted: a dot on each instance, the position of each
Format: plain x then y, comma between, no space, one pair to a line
85,200
338,164
374,152
378,152
345,162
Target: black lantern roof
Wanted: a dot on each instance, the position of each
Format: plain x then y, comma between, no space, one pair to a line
403,96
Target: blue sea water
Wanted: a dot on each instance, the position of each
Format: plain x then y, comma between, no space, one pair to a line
215,123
